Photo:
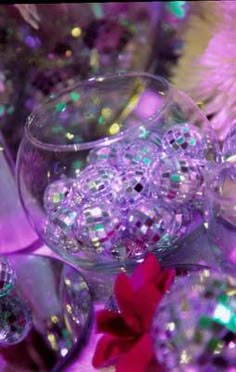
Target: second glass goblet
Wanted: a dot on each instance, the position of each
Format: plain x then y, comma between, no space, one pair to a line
221,214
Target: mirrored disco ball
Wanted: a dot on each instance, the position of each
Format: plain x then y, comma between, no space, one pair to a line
141,153
135,186
62,193
15,320
188,140
7,276
152,224
58,231
176,179
194,328
128,247
55,194
97,181
185,139
98,226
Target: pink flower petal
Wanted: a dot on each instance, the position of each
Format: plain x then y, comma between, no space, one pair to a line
126,298
140,357
166,279
108,349
147,300
113,323
147,271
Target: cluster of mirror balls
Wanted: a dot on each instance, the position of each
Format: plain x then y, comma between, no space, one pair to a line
132,197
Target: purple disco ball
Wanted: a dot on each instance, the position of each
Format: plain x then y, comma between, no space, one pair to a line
194,328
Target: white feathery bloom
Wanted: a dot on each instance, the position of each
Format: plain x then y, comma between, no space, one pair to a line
207,68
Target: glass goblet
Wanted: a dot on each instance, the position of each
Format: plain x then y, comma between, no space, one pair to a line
86,166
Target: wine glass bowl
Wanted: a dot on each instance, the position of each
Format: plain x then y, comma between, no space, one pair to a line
92,161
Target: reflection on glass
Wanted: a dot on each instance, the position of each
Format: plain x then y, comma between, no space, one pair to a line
50,314
221,214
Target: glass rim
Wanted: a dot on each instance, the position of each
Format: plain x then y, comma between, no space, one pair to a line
214,195
32,118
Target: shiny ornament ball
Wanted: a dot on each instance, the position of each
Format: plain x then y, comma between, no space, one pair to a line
55,194
98,226
58,230
135,186
188,140
141,153
183,138
177,179
61,193
61,240
194,328
128,247
7,276
151,224
97,181
15,320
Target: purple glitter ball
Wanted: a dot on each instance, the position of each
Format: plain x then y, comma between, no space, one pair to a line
58,231
141,153
64,218
128,247
135,186
98,226
61,193
7,276
194,328
176,180
121,155
55,236
55,194
152,224
15,320
185,139
97,181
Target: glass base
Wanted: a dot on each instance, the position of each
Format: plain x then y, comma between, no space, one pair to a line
102,267
222,239
194,252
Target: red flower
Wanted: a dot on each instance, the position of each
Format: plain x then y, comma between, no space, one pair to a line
127,343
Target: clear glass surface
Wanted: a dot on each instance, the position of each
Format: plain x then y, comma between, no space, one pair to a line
220,214
46,317
12,216
92,160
